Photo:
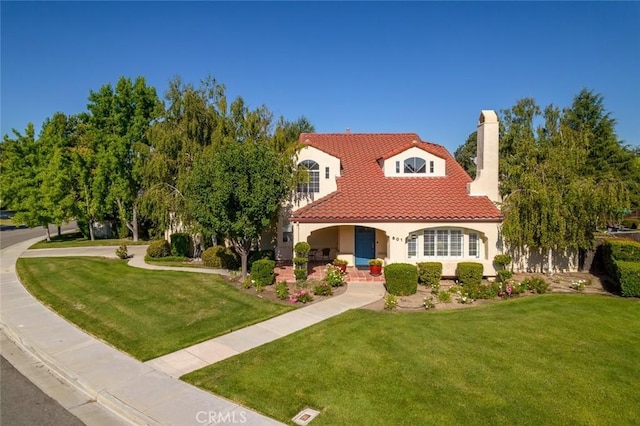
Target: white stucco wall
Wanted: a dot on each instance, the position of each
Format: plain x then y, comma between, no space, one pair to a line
391,241
327,185
389,165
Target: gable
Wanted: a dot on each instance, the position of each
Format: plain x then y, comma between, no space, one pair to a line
398,165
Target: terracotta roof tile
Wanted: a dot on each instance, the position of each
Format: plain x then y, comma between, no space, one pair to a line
364,194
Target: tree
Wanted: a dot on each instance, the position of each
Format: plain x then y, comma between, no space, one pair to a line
22,166
239,184
59,198
118,123
190,122
556,192
466,154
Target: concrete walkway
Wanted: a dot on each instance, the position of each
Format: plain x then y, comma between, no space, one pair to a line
146,393
134,391
195,357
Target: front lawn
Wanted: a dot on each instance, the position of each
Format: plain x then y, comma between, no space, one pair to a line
552,359
76,239
142,312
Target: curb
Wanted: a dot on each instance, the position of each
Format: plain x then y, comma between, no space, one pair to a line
105,399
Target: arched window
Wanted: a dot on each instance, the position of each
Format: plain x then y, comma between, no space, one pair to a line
415,165
313,169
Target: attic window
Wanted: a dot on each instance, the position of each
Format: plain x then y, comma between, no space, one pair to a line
313,170
415,165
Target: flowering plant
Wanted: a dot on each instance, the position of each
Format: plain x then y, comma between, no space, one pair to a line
302,296
334,276
390,301
428,302
579,285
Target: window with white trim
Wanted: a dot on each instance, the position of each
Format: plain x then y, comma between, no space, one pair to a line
474,250
431,166
415,165
443,243
429,242
313,170
412,245
326,173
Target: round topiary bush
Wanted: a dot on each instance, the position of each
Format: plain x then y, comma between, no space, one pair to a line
302,248
401,279
159,248
219,257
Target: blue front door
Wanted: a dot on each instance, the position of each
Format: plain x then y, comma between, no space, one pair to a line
365,245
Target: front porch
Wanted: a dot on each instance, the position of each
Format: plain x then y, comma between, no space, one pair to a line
316,271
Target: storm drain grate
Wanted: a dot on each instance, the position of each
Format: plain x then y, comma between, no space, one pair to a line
305,416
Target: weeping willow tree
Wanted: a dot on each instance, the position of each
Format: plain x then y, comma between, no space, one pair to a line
562,175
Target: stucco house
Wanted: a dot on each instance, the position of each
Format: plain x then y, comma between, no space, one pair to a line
394,197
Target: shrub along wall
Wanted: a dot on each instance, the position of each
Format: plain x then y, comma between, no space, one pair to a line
401,279
429,273
622,262
470,273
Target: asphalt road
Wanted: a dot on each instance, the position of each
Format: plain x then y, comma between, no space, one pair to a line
21,402
10,236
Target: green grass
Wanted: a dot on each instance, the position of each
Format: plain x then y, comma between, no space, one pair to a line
144,313
553,359
6,222
76,239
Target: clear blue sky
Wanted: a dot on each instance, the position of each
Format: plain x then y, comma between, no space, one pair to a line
424,67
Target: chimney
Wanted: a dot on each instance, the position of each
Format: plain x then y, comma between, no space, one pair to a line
348,131
486,182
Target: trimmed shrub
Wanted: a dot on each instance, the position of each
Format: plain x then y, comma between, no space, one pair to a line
258,255
300,262
262,272
302,249
629,278
429,273
504,275
300,274
401,279
219,257
159,248
502,260
470,273
180,244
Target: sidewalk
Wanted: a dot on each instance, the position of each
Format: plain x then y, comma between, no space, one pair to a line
146,393
129,388
195,357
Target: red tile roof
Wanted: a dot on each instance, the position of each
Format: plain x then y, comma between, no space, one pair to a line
364,194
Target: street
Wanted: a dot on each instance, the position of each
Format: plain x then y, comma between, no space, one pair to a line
21,402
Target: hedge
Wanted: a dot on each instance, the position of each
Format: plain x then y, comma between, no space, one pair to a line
622,262
470,273
429,273
180,244
401,279
219,257
262,272
629,278
159,248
